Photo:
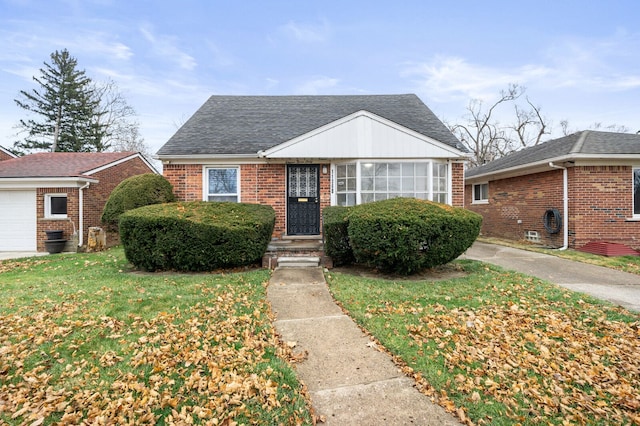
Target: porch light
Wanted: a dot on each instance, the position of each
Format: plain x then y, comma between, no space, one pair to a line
324,169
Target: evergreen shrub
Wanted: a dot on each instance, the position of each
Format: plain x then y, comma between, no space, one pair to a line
196,236
136,191
406,235
335,229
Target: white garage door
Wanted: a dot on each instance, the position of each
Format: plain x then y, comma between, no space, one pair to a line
17,220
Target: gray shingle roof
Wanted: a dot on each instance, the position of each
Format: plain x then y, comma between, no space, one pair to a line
248,124
587,142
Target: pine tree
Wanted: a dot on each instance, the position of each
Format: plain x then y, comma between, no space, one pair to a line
67,113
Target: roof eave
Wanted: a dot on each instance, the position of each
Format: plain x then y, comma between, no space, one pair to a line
44,182
543,165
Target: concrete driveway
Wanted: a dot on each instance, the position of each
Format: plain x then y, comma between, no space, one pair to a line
4,255
619,288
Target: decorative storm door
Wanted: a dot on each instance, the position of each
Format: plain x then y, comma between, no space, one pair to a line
303,199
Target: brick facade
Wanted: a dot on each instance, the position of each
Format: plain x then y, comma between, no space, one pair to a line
600,205
94,199
5,155
457,184
259,184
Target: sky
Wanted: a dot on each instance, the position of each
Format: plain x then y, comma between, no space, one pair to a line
578,60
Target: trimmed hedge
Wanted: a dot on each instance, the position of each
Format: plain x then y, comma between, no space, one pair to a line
404,235
196,236
136,191
335,226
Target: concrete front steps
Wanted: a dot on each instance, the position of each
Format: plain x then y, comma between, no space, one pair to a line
296,252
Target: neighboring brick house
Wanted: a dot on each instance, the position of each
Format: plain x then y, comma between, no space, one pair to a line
6,154
300,154
59,191
568,192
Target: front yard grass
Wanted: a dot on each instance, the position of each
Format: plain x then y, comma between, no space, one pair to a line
501,348
85,339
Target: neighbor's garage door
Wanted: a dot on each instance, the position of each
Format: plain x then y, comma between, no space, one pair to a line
17,220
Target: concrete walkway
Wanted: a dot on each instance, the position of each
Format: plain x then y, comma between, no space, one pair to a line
349,380
619,288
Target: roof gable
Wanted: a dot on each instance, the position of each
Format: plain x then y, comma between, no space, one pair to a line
362,135
587,144
62,164
246,125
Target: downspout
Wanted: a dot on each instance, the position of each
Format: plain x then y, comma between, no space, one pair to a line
81,213
565,203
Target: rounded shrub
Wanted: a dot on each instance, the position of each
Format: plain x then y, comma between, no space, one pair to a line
136,191
335,228
406,235
196,235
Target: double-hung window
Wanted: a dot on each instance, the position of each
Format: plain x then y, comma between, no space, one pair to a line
480,193
222,184
55,206
363,182
636,192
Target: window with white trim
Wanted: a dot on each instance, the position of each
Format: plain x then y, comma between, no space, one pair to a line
55,206
222,184
636,192
363,182
480,193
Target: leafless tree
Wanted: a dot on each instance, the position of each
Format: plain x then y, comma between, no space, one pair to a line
530,126
482,133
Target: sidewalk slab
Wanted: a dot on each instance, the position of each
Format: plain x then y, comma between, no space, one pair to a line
350,381
339,353
390,402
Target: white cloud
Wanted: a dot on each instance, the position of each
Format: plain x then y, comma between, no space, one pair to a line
308,33
451,78
166,47
317,85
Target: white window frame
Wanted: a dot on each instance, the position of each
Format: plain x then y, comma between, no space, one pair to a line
634,188
205,183
428,190
480,200
47,206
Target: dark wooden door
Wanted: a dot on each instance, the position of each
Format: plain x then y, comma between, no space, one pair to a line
303,199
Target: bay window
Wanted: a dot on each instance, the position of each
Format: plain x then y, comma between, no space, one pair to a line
364,182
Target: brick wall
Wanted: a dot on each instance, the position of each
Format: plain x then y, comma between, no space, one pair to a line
457,185
259,183
600,202
45,224
94,199
5,156
186,180
518,204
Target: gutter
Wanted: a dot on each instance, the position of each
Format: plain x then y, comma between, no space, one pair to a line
565,203
81,213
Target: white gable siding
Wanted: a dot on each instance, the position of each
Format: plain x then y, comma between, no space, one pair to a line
363,135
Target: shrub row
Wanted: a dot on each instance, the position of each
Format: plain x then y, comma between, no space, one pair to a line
400,235
196,236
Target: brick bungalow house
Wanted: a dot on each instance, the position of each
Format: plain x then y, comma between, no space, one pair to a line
300,154
59,191
578,191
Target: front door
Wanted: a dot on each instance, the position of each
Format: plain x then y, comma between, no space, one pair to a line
303,199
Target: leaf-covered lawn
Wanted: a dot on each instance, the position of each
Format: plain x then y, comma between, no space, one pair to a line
501,348
84,339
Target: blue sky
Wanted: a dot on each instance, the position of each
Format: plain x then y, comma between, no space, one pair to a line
579,60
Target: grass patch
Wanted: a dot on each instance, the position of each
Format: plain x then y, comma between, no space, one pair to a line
501,348
83,338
